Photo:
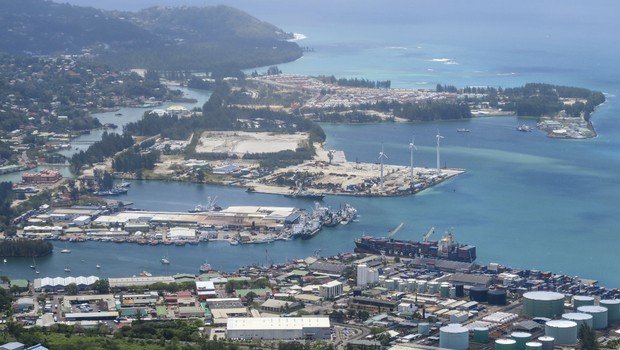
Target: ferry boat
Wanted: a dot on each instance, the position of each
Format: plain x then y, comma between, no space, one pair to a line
447,248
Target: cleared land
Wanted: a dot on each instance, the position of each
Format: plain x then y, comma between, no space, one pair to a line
241,142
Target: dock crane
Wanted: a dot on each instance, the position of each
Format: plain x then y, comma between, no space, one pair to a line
428,234
395,231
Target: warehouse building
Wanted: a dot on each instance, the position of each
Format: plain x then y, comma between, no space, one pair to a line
280,328
48,284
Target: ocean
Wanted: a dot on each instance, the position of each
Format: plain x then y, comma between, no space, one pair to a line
525,201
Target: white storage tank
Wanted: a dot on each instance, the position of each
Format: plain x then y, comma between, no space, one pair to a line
421,286
454,336
433,287
411,285
543,304
579,318
444,289
424,328
599,315
613,309
563,331
402,286
548,343
533,345
505,344
582,300
521,338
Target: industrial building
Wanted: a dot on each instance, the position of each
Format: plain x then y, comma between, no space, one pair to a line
231,218
278,328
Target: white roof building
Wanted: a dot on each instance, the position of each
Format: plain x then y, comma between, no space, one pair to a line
281,328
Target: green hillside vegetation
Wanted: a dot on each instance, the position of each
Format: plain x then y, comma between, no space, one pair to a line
183,38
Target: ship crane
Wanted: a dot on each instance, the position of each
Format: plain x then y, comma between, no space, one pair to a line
395,231
428,234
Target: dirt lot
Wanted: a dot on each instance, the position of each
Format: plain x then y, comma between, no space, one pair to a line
240,142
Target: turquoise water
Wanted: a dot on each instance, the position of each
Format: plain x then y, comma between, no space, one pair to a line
526,201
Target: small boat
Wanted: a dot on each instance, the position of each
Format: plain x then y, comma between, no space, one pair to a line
66,251
165,261
234,242
463,130
205,268
146,274
4,261
98,266
524,128
67,269
37,272
118,114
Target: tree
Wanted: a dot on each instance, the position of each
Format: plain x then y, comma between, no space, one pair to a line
587,338
101,286
71,289
250,297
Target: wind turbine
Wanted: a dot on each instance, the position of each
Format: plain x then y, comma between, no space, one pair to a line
439,137
411,148
381,157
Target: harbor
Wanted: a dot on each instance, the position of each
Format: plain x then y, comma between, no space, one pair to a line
235,224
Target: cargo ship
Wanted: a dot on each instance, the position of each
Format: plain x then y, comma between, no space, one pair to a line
446,248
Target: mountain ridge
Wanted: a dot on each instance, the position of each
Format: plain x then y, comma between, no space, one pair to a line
163,38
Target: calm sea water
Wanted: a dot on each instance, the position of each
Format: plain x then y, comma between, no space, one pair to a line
526,201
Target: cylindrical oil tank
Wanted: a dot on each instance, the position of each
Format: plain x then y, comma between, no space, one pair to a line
432,287
613,309
582,300
424,328
481,335
505,344
411,285
454,336
579,318
543,304
599,315
548,343
533,345
521,338
497,297
460,290
422,286
444,290
479,294
564,332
